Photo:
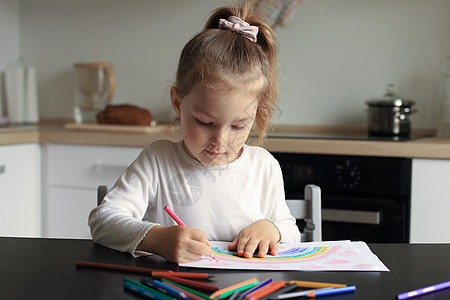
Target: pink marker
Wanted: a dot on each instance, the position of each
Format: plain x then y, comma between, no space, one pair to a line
174,215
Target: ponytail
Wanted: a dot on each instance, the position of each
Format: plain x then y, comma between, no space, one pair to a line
228,56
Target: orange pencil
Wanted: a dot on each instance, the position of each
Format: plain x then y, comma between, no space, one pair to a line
316,285
232,287
266,290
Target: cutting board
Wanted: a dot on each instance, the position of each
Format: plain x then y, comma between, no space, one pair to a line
119,128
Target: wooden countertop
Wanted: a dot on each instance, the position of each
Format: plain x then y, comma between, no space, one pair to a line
54,132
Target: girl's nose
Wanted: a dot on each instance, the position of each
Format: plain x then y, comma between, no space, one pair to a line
219,137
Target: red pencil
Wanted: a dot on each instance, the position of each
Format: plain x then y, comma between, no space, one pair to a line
191,283
116,267
266,290
183,274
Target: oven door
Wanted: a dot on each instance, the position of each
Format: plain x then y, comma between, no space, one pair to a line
380,221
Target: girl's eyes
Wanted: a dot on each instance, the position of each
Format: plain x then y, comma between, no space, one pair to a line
203,123
237,128
208,124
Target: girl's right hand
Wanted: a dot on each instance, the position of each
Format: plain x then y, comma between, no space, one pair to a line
177,244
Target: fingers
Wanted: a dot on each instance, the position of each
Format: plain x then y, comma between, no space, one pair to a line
263,247
233,245
247,248
274,248
178,243
261,236
200,244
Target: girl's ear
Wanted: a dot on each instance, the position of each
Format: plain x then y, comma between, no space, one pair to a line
175,100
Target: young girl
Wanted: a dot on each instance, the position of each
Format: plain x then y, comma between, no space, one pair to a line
220,187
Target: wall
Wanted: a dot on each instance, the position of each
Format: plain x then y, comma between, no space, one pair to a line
335,54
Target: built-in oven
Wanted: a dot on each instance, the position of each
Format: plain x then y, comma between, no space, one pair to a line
363,198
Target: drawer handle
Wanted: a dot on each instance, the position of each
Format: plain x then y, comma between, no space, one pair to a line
351,216
108,168
2,169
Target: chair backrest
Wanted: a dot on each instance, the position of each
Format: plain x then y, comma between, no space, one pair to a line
102,190
308,211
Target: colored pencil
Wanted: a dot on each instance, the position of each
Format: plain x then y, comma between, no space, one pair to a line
192,283
174,216
260,285
250,296
285,289
423,291
235,296
232,287
341,290
187,289
144,290
240,289
165,289
299,294
184,274
316,285
267,290
147,271
190,295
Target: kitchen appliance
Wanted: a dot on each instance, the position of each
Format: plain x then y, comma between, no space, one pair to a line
95,87
389,115
363,198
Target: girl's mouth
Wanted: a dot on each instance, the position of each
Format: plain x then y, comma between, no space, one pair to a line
214,154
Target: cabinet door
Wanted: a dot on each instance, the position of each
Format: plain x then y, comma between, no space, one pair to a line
87,166
20,212
430,201
68,212
72,175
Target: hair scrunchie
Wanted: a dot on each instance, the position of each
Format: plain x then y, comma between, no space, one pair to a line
238,25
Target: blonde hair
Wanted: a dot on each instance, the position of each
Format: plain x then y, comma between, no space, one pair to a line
218,55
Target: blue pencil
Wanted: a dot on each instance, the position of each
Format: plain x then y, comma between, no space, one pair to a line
142,291
163,288
317,293
299,294
256,287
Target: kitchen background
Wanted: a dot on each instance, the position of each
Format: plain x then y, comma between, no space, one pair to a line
334,55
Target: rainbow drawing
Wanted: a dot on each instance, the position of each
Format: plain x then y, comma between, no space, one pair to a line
317,256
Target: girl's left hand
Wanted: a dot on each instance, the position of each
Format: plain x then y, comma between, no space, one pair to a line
262,235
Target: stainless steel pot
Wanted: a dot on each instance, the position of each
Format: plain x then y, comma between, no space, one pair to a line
390,115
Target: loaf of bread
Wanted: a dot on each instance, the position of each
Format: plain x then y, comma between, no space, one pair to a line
124,114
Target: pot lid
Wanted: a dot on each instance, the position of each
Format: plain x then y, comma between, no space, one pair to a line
390,98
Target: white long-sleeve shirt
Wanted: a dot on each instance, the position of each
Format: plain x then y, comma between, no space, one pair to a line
219,200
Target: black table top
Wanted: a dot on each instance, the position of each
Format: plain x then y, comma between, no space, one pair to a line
45,269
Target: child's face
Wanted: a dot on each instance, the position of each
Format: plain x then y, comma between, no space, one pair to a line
215,122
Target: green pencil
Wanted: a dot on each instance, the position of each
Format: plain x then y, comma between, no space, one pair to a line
187,289
241,289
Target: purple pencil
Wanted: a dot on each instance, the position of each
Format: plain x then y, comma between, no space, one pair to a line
423,291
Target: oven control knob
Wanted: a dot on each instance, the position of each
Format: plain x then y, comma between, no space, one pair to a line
348,175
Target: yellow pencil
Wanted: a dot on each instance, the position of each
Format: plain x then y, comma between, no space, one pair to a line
232,287
316,285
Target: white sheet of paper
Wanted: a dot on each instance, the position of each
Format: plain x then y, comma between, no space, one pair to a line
313,256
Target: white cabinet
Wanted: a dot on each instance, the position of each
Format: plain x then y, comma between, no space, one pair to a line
20,211
72,174
430,201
